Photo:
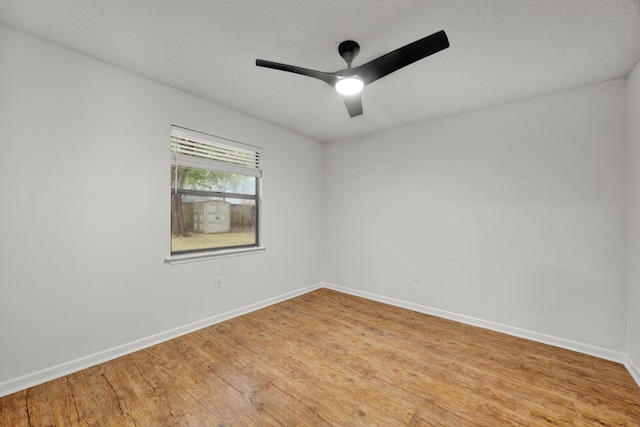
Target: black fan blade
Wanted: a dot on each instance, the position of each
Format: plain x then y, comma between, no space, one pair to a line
354,104
328,78
393,61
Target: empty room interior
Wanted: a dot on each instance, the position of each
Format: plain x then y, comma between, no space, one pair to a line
196,228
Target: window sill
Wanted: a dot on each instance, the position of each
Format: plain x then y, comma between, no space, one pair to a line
203,256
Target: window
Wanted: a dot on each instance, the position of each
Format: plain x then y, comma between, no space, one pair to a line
215,193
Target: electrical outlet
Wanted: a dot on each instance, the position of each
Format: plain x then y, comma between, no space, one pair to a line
218,282
416,275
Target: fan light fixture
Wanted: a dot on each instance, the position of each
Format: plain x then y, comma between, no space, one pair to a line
349,82
349,86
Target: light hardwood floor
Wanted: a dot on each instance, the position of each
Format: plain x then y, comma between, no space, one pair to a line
330,359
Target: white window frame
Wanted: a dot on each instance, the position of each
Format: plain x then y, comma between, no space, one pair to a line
251,165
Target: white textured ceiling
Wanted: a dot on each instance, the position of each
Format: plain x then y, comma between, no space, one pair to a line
501,51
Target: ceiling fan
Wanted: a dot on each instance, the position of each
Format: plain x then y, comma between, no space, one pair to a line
350,81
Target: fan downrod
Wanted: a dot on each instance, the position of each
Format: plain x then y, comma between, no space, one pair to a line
348,49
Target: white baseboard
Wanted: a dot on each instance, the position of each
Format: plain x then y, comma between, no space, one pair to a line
633,370
58,371
602,353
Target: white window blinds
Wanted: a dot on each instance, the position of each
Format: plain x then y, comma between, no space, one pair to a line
202,151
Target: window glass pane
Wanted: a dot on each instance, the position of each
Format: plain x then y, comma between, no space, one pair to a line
206,180
211,222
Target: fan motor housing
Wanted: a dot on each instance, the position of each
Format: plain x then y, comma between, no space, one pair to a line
349,49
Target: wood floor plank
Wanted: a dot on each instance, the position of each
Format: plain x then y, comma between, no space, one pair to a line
86,405
258,386
344,379
301,379
330,359
429,415
38,405
208,389
15,409
62,403
340,379
108,403
135,403
149,408
161,370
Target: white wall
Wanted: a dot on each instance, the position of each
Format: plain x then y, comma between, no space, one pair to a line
513,214
633,218
84,211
